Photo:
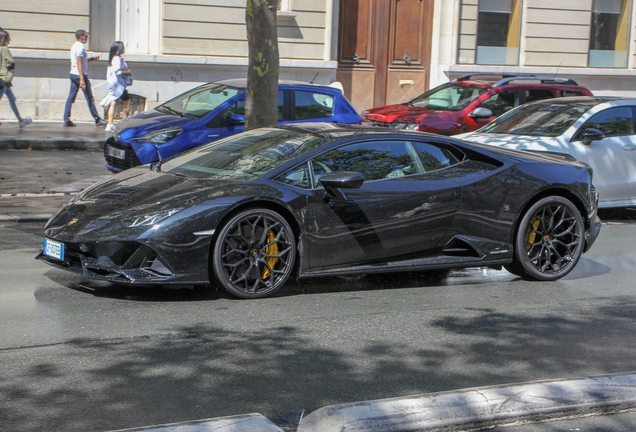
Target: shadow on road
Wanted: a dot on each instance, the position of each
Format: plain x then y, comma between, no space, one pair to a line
282,372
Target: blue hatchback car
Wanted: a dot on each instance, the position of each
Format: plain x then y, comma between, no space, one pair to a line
212,111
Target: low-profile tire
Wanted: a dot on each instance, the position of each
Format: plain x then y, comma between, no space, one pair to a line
549,240
254,253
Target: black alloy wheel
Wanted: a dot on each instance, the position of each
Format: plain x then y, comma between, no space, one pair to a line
549,241
254,253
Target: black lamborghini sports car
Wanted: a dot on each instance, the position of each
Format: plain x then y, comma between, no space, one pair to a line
249,211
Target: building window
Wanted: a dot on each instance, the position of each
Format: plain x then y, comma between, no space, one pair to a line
498,24
284,5
609,34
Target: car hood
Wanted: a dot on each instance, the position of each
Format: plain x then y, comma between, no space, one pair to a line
401,113
516,142
141,202
150,121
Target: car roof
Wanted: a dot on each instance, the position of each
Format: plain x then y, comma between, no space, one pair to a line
498,80
582,101
335,130
241,83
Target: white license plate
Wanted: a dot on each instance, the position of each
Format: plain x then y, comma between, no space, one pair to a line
54,249
119,154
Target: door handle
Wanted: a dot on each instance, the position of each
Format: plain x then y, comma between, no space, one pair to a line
630,148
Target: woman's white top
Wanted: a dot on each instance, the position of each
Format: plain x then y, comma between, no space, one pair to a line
116,84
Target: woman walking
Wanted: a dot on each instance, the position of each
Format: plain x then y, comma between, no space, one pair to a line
117,76
7,66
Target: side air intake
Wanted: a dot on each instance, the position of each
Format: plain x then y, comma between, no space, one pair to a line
460,248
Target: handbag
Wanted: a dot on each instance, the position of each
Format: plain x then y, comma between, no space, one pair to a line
128,79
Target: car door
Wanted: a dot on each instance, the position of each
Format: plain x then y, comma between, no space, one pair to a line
612,158
402,210
232,119
498,104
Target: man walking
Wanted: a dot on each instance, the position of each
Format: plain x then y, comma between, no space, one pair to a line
79,79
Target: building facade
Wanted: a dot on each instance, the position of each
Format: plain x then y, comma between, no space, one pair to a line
382,51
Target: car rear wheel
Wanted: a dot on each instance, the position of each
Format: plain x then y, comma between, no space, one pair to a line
549,241
254,253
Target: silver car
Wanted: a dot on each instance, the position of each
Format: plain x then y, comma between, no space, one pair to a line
599,131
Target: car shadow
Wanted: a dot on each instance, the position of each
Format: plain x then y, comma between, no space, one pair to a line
321,285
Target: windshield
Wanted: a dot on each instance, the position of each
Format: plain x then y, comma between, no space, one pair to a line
542,119
199,101
244,156
448,97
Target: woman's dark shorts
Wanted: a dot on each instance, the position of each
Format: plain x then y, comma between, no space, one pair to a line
124,96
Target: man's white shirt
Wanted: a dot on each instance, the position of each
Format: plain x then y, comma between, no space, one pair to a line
78,50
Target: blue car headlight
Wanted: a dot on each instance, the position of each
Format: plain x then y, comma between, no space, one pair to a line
162,136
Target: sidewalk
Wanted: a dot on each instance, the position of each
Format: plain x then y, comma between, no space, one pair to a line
50,136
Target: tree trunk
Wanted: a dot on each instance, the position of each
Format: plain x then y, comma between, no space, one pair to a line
261,104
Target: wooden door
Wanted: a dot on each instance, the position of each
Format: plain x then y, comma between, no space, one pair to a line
384,50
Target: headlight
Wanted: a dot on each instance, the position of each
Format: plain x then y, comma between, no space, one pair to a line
405,126
162,136
150,219
410,126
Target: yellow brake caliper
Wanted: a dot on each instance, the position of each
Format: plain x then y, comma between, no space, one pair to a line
272,249
532,233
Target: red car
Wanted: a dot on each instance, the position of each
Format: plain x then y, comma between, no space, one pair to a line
470,101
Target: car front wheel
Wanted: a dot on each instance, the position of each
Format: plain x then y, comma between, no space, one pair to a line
549,240
254,253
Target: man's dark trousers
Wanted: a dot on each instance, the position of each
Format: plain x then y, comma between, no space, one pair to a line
75,85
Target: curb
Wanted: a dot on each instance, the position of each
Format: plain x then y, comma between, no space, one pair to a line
468,409
242,423
55,144
480,407
25,217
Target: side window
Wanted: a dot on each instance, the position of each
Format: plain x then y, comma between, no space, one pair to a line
501,102
235,108
297,176
612,122
538,94
433,157
567,93
281,105
311,105
239,107
374,160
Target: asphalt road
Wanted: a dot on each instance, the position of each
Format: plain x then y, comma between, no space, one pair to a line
79,355
46,172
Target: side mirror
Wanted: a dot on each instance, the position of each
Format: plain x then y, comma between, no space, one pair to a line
481,112
591,134
235,119
335,181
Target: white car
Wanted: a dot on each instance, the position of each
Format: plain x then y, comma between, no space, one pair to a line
599,131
